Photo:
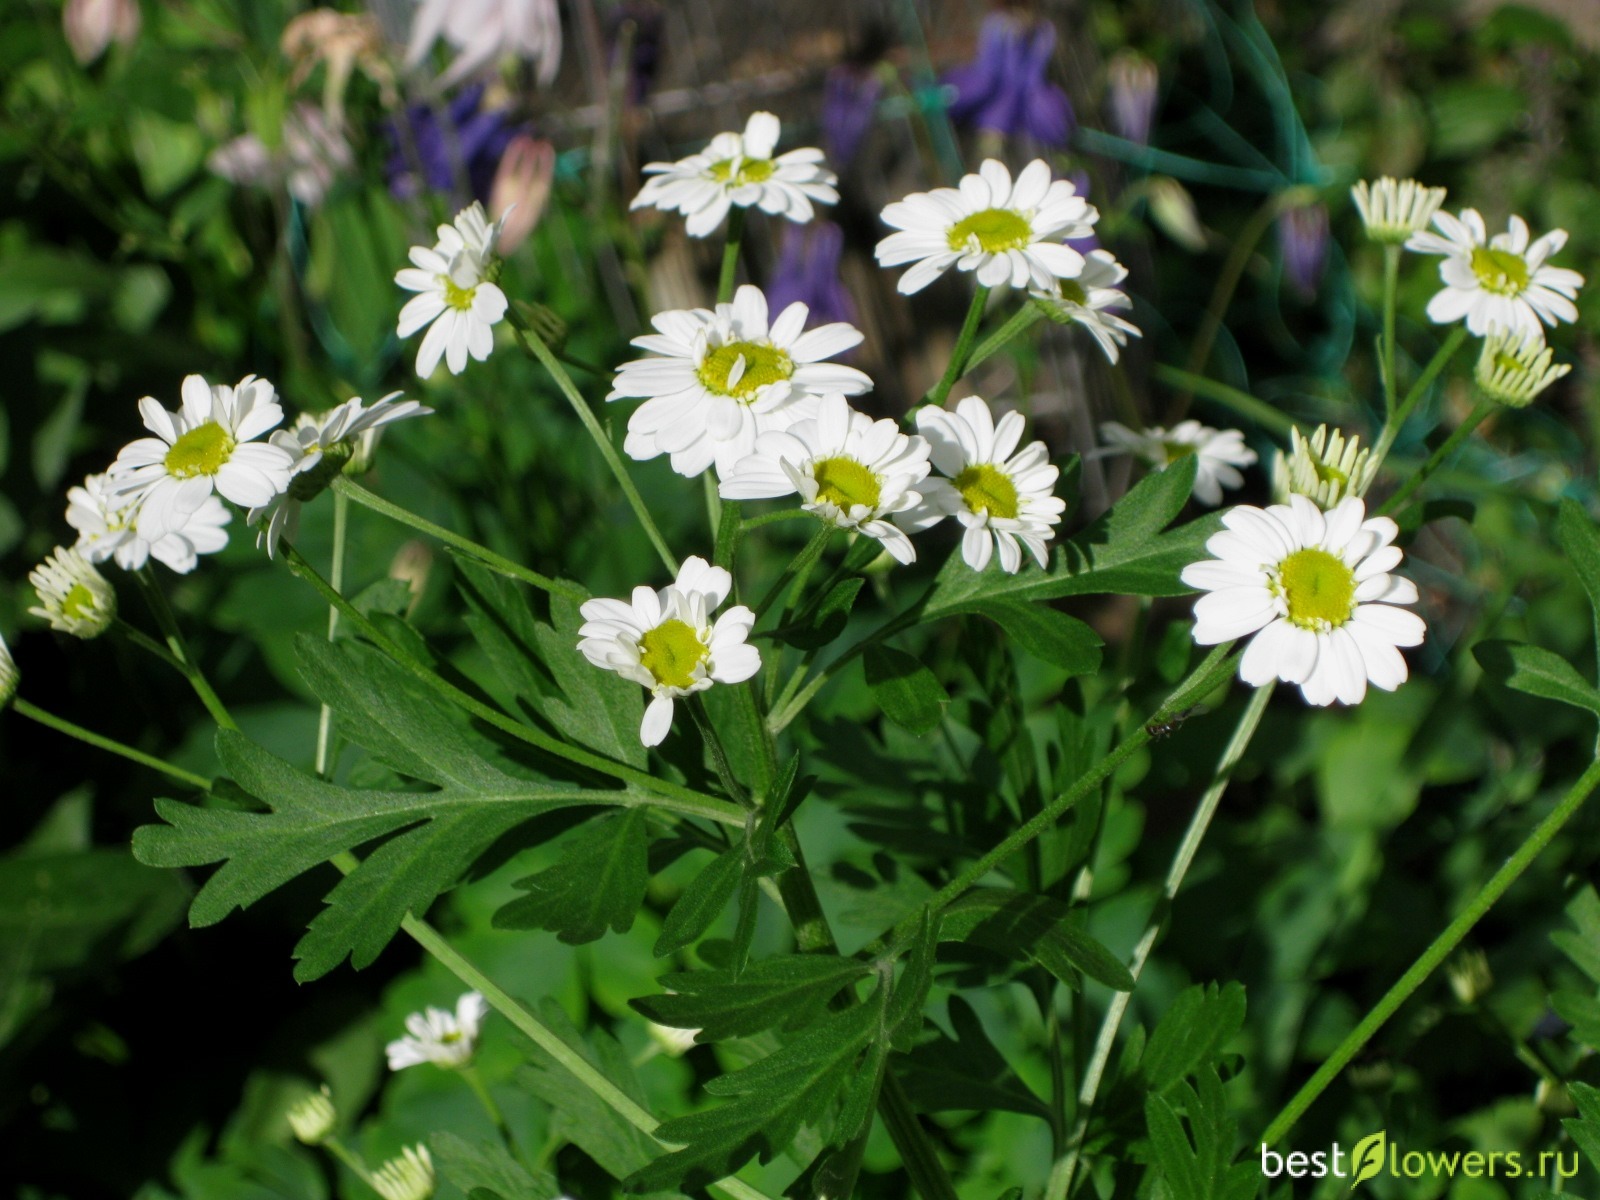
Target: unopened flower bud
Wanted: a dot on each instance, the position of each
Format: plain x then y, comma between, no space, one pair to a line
1326,467
10,677
521,188
1514,367
1132,82
1469,976
407,1177
314,1117
1172,209
73,596
1394,209
92,25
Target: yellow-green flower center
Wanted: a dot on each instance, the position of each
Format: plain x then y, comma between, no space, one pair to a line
457,297
1500,271
671,651
723,373
78,603
1327,473
202,451
987,489
750,170
845,482
993,230
1318,588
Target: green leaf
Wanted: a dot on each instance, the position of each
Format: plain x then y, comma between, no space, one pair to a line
1033,928
1537,672
598,883
1582,946
965,1073
905,689
771,1100
785,992
903,1021
1045,633
488,1166
1578,537
1192,1034
1197,1163
701,903
1584,1128
826,621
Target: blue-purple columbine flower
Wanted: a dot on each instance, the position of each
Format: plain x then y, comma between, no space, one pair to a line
1303,240
808,271
1004,89
646,18
849,106
439,149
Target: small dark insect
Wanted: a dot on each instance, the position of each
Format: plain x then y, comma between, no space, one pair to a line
1161,729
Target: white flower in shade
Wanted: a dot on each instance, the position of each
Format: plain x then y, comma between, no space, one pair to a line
408,1176
1325,468
323,445
1002,496
1515,366
73,596
313,1118
673,1042
1502,280
486,31
1315,590
1089,299
1220,452
1004,232
455,300
107,524
667,642
725,376
436,1036
850,470
208,446
10,677
739,169
1394,209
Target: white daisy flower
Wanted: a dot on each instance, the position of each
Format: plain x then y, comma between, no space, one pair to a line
1515,366
209,445
107,525
73,596
10,677
436,1036
313,1118
1221,452
323,445
485,31
1002,496
1325,468
725,376
454,297
1003,232
850,470
1394,209
1315,590
667,642
739,169
1501,280
408,1176
1087,301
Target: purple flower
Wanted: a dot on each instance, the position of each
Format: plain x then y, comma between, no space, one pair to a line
808,271
438,149
1004,89
1132,84
1303,240
849,106
644,49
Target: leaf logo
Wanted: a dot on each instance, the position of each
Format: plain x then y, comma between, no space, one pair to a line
1366,1160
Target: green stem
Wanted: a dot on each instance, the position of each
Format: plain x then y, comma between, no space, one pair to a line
534,346
1391,283
780,718
917,1155
1437,363
481,1090
1065,1168
1023,319
345,487
144,641
730,254
799,566
719,754
782,514
1240,402
350,1159
963,348
1446,449
100,742
168,621
1435,954
341,522
667,796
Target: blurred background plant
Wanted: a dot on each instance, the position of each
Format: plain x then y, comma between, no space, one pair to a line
222,186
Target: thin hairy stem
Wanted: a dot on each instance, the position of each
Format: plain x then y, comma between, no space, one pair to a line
341,524
1391,282
730,254
100,742
1436,364
1439,457
1023,319
963,349
168,621
799,567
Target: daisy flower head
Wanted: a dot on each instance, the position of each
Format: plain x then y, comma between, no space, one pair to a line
107,523
208,446
1089,300
1502,280
313,1117
1314,589
1002,231
73,596
666,640
1221,452
1325,467
1394,209
718,378
10,677
1002,496
740,169
322,446
407,1176
850,470
455,299
436,1036
1515,366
